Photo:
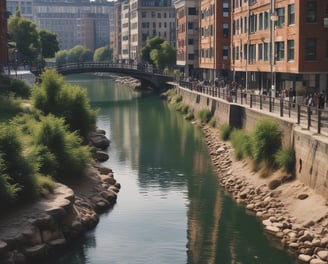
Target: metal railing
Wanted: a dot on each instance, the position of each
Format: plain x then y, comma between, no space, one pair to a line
310,117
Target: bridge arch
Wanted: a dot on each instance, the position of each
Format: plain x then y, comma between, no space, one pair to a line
147,75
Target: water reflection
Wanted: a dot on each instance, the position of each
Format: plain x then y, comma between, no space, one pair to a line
171,208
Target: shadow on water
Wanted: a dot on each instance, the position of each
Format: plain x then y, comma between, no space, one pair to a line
171,208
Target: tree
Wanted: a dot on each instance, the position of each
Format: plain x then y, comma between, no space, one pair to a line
165,56
49,43
103,54
86,55
61,57
151,44
24,33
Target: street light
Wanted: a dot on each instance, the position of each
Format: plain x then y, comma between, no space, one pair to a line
273,20
15,62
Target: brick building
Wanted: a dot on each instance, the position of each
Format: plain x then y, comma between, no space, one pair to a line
280,44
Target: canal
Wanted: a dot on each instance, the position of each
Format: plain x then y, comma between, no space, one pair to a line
171,208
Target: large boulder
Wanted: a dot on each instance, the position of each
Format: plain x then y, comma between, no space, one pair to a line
99,140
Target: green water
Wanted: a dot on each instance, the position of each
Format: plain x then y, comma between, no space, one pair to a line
171,208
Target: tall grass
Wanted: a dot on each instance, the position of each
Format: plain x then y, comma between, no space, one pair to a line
266,141
225,131
241,143
204,115
285,158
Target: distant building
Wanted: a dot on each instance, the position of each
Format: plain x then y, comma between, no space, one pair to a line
214,38
187,37
3,36
75,22
140,20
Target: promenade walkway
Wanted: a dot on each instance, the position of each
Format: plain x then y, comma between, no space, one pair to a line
310,118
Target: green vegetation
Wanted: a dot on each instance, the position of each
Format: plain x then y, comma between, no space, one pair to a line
70,102
158,52
225,131
263,146
204,115
241,143
59,153
103,54
78,53
285,158
42,143
266,141
29,43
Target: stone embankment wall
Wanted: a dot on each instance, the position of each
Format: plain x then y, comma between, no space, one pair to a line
311,150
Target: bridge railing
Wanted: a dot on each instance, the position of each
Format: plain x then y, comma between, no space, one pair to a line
146,68
309,117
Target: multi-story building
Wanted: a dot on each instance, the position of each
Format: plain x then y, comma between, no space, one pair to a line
214,39
3,36
141,20
25,7
187,37
279,44
74,22
117,33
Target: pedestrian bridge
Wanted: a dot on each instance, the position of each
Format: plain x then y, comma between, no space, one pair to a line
146,74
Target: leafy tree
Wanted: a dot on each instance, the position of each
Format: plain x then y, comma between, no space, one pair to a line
164,56
24,33
61,57
103,54
86,55
49,43
151,44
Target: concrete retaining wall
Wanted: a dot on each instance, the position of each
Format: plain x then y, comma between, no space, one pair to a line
311,150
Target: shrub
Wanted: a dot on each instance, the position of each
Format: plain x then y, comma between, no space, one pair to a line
67,101
241,143
212,122
266,141
20,88
225,131
8,190
58,152
46,185
285,158
204,115
18,170
190,116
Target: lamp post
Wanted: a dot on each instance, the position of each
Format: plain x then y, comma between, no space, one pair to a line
15,52
273,19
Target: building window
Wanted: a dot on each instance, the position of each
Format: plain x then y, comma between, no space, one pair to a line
144,14
311,11
281,17
291,14
225,30
252,53
237,53
253,23
225,52
290,50
266,52
261,21
260,52
266,20
325,19
311,49
192,11
190,41
280,51
226,8
190,25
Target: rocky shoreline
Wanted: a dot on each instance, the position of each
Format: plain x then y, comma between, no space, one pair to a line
275,201
41,230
